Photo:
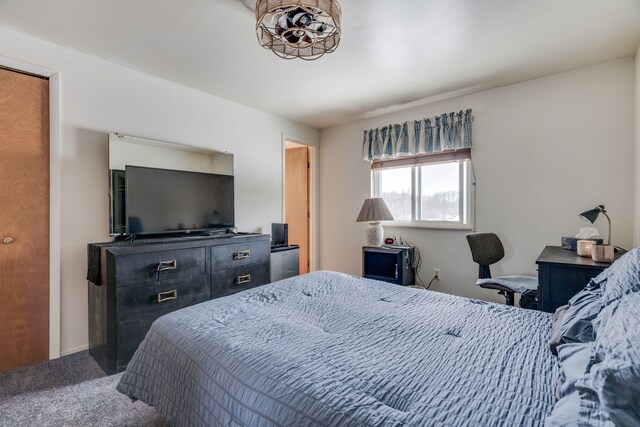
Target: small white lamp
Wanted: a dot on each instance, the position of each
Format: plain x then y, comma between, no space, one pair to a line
373,211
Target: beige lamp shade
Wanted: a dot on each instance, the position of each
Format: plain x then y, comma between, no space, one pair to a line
374,209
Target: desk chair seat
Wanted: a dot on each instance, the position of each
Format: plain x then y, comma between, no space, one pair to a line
525,285
487,249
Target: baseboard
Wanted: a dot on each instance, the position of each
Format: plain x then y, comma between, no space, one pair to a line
74,350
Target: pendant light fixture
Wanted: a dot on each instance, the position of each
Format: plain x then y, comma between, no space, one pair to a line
304,29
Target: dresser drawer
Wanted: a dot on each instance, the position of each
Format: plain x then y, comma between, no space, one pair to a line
162,265
155,299
227,282
239,254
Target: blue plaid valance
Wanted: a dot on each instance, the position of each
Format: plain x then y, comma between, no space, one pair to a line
427,136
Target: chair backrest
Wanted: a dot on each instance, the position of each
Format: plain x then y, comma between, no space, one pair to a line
486,249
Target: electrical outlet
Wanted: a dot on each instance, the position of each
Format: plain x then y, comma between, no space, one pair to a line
437,273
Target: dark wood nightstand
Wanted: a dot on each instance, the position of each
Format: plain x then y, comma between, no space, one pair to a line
562,274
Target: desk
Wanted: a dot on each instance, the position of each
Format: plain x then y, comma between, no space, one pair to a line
562,274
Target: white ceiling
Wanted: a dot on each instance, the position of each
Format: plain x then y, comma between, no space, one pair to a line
392,52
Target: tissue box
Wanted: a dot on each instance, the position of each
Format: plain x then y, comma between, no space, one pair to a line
572,242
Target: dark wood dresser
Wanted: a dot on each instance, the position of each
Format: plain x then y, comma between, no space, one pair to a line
140,282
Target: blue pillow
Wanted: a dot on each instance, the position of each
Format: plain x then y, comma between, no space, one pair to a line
601,279
610,392
575,361
556,333
565,412
584,307
622,278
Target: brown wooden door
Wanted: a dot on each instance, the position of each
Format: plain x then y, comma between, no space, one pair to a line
24,219
297,201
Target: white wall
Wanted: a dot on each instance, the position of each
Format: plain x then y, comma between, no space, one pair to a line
636,241
544,150
99,97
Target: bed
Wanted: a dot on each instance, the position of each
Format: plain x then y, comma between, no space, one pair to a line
332,349
338,350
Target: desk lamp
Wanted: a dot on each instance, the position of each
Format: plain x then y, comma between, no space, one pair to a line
592,214
373,211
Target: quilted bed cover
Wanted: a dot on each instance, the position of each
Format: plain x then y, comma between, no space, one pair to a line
337,350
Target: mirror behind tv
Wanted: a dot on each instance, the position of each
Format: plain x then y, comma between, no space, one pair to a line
159,187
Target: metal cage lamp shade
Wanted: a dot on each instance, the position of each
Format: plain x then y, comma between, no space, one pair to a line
304,29
592,214
373,211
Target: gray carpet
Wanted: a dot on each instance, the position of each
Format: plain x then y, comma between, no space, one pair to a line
70,391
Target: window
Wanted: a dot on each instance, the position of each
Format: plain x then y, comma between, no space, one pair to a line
426,192
395,188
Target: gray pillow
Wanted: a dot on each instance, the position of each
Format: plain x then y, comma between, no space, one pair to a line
556,332
600,279
575,361
565,412
610,392
623,277
584,307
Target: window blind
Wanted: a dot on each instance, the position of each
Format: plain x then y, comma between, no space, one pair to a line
423,159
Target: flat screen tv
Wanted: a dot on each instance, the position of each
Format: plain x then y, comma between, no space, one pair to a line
172,201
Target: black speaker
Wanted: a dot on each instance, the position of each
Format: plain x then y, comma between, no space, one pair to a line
279,234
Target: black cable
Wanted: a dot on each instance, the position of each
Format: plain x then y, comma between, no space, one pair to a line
435,276
417,262
418,265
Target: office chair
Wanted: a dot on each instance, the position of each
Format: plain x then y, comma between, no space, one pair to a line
487,249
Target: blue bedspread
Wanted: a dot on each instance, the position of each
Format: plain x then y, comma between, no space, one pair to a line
332,349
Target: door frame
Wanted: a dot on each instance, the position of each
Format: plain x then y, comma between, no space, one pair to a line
55,195
314,193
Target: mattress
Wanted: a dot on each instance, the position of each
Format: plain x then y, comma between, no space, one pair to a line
332,349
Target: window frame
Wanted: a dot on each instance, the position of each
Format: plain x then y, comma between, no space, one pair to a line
466,202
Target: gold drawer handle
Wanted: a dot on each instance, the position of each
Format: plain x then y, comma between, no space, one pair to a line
167,265
242,254
241,280
167,296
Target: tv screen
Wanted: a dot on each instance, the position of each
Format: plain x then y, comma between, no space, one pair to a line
164,201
